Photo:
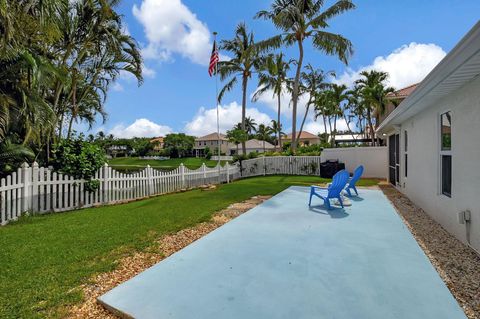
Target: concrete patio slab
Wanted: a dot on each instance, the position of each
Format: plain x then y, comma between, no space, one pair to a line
284,260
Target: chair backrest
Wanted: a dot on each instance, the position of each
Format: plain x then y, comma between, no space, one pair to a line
356,175
339,182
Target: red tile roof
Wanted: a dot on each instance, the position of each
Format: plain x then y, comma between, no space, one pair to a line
157,140
405,92
304,135
212,137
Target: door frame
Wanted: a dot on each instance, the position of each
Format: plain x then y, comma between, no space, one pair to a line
394,159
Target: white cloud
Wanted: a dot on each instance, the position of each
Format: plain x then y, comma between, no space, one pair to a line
117,87
171,28
148,72
316,127
140,128
406,65
205,121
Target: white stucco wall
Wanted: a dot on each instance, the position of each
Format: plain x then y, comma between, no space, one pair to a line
374,159
422,185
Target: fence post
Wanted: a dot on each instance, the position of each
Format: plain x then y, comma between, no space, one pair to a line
204,170
3,206
182,174
26,187
264,165
106,184
227,168
35,187
150,180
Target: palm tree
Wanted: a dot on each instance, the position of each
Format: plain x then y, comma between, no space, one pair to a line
313,81
322,101
374,93
250,125
264,133
237,136
302,19
11,153
338,95
245,61
273,77
277,130
92,58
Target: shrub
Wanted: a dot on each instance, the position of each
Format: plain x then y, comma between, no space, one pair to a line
239,158
79,159
252,155
208,153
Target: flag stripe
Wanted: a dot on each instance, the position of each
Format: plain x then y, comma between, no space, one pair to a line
214,59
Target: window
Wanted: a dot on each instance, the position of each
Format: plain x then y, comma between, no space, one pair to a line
446,153
406,153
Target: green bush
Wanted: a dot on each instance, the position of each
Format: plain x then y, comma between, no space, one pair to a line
252,155
208,153
80,159
239,158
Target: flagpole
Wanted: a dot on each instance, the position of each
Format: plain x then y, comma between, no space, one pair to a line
218,111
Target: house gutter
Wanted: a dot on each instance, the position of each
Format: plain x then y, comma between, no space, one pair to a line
422,96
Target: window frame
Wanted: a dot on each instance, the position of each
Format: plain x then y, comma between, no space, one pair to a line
405,152
445,152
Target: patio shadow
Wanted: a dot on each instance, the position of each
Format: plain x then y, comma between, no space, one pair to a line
335,213
356,199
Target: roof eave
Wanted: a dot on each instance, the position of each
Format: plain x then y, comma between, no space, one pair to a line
465,50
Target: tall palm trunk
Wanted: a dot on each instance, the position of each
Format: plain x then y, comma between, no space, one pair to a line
304,118
330,124
244,109
348,126
296,87
334,133
278,121
325,126
370,124
74,105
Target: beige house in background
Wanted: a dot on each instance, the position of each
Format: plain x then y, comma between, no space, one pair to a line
252,145
306,138
159,143
212,142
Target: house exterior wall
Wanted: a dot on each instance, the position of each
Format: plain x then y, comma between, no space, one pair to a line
200,145
303,141
422,185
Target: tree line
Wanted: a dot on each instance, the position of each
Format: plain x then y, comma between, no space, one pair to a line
58,59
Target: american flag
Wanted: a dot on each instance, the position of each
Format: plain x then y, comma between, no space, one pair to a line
213,59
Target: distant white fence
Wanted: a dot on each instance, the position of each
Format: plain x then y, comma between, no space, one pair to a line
374,159
281,165
40,190
222,158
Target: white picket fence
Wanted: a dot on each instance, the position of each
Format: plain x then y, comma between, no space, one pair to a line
282,165
40,190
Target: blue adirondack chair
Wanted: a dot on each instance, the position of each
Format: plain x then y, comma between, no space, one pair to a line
334,191
353,181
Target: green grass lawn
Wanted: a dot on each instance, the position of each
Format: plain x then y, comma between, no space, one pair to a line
135,163
44,259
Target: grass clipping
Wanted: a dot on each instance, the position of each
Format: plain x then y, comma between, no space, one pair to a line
131,266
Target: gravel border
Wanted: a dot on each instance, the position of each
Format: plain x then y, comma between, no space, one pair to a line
131,266
457,264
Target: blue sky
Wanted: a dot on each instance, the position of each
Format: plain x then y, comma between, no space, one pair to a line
406,38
